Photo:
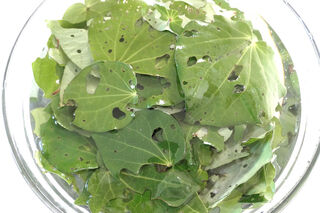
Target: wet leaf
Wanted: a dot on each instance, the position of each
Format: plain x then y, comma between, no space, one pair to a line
40,116
173,187
104,108
66,151
226,48
152,137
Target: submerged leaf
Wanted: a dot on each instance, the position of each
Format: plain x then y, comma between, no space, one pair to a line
152,137
40,116
68,152
103,108
173,187
239,172
230,78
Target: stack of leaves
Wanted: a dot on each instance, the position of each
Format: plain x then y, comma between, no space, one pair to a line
159,108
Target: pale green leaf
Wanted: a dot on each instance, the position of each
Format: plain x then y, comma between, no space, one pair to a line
74,43
58,56
152,137
230,78
45,75
70,71
194,206
102,108
103,188
40,116
239,172
231,203
66,151
125,37
76,13
173,187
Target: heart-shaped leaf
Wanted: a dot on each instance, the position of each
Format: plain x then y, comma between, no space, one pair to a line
227,75
152,137
102,106
173,187
124,36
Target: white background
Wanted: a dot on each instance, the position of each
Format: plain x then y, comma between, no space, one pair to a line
16,196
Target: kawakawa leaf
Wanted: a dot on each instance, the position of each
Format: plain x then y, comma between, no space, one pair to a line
124,36
103,188
45,75
239,172
102,107
66,151
173,187
152,137
74,43
228,77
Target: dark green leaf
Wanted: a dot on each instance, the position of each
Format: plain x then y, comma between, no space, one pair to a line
152,137
66,151
103,107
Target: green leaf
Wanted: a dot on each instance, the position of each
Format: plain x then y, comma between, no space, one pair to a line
74,43
202,152
152,137
231,203
239,172
70,72
173,187
125,37
194,206
76,13
45,75
48,167
261,183
103,188
40,116
67,151
103,107
230,78
115,206
233,150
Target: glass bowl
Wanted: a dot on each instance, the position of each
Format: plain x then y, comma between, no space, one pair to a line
18,84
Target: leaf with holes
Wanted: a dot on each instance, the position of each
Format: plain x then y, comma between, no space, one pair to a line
124,36
152,137
228,77
239,172
45,75
74,43
103,188
173,187
173,17
68,152
102,106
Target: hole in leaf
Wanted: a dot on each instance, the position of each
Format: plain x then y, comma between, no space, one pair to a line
162,61
218,29
72,36
293,109
245,165
172,126
80,158
190,33
157,134
234,75
184,83
207,58
139,22
262,114
140,87
118,114
238,88
78,51
212,194
92,83
115,151
110,51
192,61
121,39
107,89
66,155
